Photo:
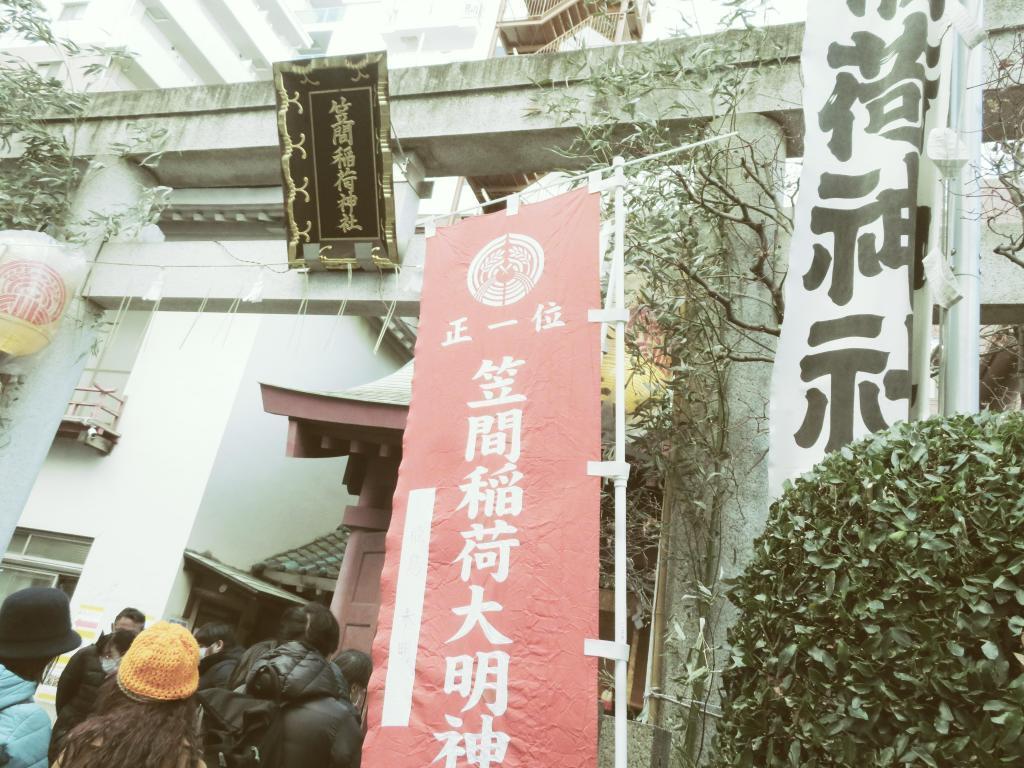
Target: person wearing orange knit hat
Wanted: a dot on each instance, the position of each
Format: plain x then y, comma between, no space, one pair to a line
146,716
161,665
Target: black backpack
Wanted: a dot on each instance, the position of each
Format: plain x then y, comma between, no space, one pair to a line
241,731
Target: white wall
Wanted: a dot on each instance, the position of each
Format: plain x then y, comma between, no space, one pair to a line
358,31
200,464
139,502
154,59
258,501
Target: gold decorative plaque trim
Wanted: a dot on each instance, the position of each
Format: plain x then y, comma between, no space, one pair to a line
360,67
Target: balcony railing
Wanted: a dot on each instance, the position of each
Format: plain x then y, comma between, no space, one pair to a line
92,417
525,10
520,10
605,25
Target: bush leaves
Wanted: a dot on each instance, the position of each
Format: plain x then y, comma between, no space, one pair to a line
881,617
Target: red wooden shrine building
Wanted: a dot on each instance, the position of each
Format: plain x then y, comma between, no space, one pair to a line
365,424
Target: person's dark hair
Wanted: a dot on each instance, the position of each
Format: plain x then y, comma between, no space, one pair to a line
292,625
312,623
122,640
356,666
32,670
127,732
321,629
211,632
132,614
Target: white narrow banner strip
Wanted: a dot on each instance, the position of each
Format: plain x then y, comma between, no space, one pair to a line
842,368
412,584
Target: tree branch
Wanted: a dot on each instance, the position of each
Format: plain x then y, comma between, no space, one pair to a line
1011,250
726,303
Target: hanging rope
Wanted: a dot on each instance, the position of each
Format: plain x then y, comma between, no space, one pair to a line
199,312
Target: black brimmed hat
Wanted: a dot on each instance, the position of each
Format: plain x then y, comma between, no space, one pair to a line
35,623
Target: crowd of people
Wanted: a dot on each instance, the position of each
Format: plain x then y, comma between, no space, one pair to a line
162,697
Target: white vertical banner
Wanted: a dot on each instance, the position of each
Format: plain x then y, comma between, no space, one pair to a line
870,71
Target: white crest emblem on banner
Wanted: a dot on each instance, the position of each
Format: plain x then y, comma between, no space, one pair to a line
505,270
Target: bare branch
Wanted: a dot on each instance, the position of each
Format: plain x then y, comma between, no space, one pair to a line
725,302
1011,250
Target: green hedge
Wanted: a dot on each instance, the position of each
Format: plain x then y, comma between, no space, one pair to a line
880,620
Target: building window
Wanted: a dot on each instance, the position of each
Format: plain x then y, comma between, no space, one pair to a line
51,70
42,559
73,11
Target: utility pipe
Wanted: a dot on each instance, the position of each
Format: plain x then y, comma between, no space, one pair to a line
963,332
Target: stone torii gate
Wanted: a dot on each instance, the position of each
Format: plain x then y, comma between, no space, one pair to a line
221,158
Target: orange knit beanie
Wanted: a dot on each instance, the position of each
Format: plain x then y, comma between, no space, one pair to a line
161,665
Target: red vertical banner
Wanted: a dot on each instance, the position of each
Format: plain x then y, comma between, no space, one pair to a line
490,584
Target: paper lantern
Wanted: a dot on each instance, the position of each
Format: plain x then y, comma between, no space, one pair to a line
38,278
644,379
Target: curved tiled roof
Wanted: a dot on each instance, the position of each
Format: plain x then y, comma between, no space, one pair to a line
393,389
321,557
241,578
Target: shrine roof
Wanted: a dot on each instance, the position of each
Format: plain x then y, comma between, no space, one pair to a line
393,389
321,557
240,578
375,411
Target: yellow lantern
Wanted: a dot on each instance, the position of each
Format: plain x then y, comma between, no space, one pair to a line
644,380
38,278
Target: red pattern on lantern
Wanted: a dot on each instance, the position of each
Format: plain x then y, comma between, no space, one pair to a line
31,291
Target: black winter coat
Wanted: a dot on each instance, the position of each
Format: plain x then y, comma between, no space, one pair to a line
77,691
216,670
321,728
250,657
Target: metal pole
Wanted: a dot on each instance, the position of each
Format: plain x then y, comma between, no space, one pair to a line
947,227
921,351
620,25
951,233
937,179
963,331
618,271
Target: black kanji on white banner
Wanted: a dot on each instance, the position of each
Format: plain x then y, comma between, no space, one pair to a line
842,366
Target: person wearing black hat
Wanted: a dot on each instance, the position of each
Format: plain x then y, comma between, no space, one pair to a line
35,628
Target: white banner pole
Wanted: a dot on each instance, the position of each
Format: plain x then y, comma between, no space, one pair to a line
943,156
964,325
618,270
616,470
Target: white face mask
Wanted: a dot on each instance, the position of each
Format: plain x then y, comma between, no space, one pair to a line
210,650
109,665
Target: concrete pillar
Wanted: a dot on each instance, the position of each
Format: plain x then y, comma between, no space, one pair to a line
37,393
724,548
